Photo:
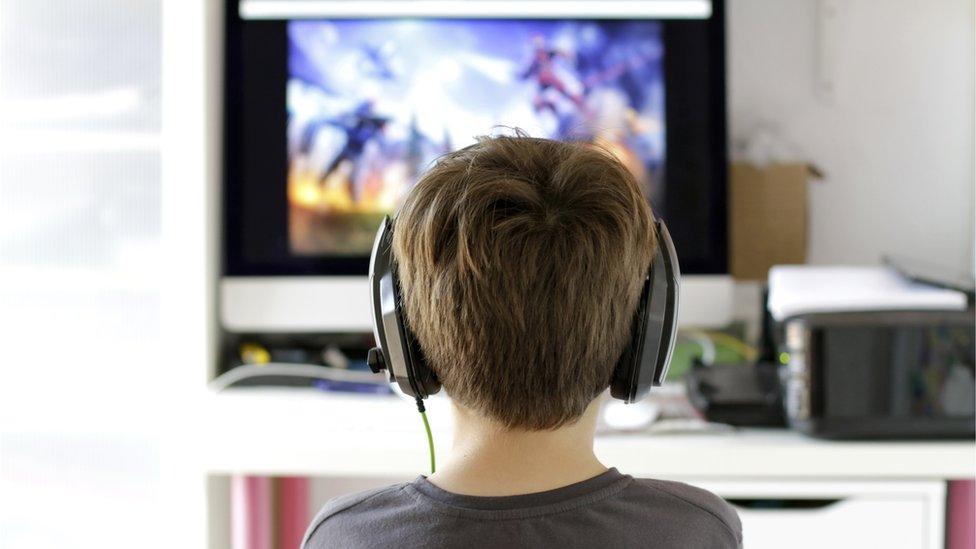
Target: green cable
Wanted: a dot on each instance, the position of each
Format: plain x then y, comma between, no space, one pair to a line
430,436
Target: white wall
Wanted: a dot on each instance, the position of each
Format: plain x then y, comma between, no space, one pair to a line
895,140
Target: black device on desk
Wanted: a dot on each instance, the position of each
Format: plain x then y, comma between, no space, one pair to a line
742,394
884,374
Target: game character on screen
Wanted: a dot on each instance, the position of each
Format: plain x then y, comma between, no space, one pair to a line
359,127
543,71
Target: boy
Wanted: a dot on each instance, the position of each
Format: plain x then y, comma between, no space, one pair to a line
521,261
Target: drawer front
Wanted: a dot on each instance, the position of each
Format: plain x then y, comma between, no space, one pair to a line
801,514
855,522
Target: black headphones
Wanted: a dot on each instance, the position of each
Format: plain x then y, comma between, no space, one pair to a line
643,363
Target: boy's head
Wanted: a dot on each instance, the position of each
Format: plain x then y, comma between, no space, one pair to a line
520,262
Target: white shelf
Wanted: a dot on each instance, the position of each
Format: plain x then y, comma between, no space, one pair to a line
299,432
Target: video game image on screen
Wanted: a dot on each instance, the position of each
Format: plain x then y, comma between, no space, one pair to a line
371,103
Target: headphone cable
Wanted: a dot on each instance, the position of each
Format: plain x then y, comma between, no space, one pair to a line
430,436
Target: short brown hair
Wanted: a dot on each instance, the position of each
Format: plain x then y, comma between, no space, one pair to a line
521,261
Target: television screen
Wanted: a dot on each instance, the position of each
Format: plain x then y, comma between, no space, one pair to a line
331,117
372,103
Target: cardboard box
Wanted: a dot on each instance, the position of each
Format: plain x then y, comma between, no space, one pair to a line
768,220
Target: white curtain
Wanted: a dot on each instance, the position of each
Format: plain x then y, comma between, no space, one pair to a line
80,233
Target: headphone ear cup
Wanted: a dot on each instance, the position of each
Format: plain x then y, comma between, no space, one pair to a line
397,349
423,377
627,373
420,377
644,362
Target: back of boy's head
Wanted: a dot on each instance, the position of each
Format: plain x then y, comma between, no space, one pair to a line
521,261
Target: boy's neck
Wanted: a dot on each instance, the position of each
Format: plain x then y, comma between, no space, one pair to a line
490,460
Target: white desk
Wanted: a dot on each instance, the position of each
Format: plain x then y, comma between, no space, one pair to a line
280,431
888,492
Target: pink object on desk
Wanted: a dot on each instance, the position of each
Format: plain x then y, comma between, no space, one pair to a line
962,514
250,512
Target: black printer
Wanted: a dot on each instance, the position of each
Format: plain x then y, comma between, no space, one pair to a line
866,353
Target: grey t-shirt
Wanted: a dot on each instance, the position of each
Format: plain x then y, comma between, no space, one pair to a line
609,510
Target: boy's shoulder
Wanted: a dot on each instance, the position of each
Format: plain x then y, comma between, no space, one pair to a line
695,499
377,498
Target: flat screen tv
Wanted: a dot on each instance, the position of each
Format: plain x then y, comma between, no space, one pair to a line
332,110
